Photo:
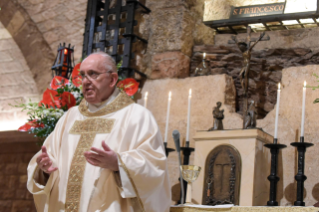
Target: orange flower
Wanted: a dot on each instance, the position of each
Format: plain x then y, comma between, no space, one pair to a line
50,99
58,82
29,125
129,85
76,77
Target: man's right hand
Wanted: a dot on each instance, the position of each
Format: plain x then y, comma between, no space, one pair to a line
44,162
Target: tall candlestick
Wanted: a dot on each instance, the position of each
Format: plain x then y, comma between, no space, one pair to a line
167,115
145,99
303,110
188,114
277,111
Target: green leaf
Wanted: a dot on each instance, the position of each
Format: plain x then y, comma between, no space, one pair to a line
316,101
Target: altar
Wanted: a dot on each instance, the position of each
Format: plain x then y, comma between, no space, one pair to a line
238,172
245,209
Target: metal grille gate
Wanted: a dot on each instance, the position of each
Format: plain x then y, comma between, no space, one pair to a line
109,27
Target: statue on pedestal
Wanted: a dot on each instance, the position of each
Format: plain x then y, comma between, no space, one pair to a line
218,117
251,116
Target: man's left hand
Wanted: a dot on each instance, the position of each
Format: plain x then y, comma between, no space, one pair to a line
105,158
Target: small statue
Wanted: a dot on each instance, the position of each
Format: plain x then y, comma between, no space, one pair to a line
218,117
250,119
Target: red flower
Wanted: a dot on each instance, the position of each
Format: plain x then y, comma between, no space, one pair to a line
129,85
29,125
76,77
58,82
50,99
68,100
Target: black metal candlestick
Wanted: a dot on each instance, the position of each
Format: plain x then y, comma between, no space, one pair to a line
186,152
168,150
273,178
300,176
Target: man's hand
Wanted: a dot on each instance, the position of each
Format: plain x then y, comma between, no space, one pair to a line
105,158
44,162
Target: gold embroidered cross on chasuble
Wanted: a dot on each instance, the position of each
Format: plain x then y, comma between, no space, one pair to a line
88,129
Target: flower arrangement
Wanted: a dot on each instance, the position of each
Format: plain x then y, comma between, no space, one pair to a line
56,100
62,95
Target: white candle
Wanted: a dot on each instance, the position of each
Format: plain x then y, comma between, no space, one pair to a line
145,99
188,113
277,111
303,110
167,114
204,55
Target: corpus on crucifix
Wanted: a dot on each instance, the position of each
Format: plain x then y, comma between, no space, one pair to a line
246,48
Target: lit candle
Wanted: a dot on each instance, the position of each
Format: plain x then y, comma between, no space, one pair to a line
167,114
188,116
204,55
277,111
303,110
145,99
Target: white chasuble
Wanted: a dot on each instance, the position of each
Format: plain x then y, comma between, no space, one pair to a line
142,183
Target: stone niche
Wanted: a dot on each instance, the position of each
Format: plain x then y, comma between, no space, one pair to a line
239,170
284,49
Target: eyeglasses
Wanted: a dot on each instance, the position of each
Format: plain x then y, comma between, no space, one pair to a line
92,75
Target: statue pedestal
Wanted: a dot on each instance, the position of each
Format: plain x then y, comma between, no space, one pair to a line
254,157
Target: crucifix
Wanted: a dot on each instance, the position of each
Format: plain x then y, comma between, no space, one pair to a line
246,48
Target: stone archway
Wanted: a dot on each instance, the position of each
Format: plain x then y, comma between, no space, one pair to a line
29,39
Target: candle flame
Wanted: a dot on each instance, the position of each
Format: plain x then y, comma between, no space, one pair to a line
204,56
65,51
305,84
190,92
146,94
170,95
278,86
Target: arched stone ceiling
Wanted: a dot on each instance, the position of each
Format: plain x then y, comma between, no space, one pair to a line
39,26
17,82
59,21
37,53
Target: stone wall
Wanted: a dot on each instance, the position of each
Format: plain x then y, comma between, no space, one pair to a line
17,82
289,131
172,28
284,49
16,150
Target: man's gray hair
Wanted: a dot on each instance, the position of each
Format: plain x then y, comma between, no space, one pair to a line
109,62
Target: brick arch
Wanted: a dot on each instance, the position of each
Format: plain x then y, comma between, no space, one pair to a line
34,48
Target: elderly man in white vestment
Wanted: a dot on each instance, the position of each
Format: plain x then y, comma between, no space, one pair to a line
105,155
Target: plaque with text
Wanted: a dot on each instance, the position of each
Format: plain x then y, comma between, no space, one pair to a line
257,10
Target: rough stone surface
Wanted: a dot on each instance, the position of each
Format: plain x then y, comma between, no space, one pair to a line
284,49
181,28
14,157
17,82
206,91
289,131
170,64
59,21
35,51
171,33
265,70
